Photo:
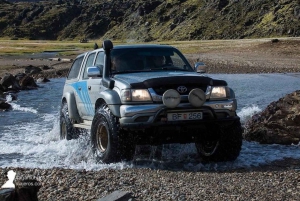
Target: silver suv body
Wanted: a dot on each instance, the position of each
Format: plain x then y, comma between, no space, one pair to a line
148,94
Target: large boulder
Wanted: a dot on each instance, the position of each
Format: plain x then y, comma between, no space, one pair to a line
28,82
278,123
32,70
4,105
9,82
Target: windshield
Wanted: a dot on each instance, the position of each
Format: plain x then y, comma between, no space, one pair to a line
148,59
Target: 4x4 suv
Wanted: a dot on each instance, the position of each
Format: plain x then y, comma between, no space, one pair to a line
131,95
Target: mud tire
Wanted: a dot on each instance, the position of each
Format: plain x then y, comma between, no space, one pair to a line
226,148
67,130
109,143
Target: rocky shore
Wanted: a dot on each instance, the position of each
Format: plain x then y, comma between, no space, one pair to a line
278,123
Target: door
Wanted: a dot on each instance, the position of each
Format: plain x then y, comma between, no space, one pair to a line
95,84
83,100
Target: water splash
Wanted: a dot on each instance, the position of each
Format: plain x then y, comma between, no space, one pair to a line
24,109
247,112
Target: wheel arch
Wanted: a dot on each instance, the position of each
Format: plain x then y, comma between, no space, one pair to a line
69,98
112,100
232,94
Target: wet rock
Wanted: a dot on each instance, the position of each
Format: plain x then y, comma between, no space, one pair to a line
117,196
278,123
28,82
42,80
32,70
19,76
4,105
9,82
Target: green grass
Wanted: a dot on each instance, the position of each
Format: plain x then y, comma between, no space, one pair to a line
17,47
65,48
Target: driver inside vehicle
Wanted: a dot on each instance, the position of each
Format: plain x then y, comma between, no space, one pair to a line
158,61
118,64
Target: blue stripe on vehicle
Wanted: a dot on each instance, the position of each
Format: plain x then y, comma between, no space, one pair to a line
84,96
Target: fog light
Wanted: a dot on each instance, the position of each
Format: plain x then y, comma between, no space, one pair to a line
142,119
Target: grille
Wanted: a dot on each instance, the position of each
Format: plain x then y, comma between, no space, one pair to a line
160,90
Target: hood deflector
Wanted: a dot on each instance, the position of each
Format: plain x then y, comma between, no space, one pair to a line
180,80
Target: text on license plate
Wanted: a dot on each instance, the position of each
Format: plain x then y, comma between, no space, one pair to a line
184,116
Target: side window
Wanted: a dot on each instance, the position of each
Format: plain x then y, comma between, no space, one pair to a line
73,73
88,63
100,59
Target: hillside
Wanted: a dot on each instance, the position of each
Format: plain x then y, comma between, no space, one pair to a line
150,20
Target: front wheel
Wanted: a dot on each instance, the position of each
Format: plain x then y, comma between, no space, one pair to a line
109,143
226,148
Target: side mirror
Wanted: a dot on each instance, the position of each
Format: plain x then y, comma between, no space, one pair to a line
95,71
200,67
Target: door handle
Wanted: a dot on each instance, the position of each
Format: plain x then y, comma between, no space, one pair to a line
89,87
79,88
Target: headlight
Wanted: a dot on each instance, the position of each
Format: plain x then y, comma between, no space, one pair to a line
218,92
135,95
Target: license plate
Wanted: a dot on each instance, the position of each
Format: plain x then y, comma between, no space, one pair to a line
182,116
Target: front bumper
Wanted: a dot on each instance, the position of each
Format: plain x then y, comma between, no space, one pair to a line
155,115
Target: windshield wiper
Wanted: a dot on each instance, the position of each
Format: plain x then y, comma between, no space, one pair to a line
169,68
129,71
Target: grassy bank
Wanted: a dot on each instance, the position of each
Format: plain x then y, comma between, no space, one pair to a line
221,56
17,47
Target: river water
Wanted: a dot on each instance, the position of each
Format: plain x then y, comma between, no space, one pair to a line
29,134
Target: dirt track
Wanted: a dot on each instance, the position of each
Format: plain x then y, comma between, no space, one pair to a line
252,56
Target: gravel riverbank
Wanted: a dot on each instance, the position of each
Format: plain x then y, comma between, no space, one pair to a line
275,182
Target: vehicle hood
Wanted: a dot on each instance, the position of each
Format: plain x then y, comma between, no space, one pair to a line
143,76
150,79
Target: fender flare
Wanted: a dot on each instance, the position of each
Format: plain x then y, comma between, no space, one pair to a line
72,106
232,94
112,99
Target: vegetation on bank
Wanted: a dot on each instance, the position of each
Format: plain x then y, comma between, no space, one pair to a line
68,47
155,20
25,46
19,47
